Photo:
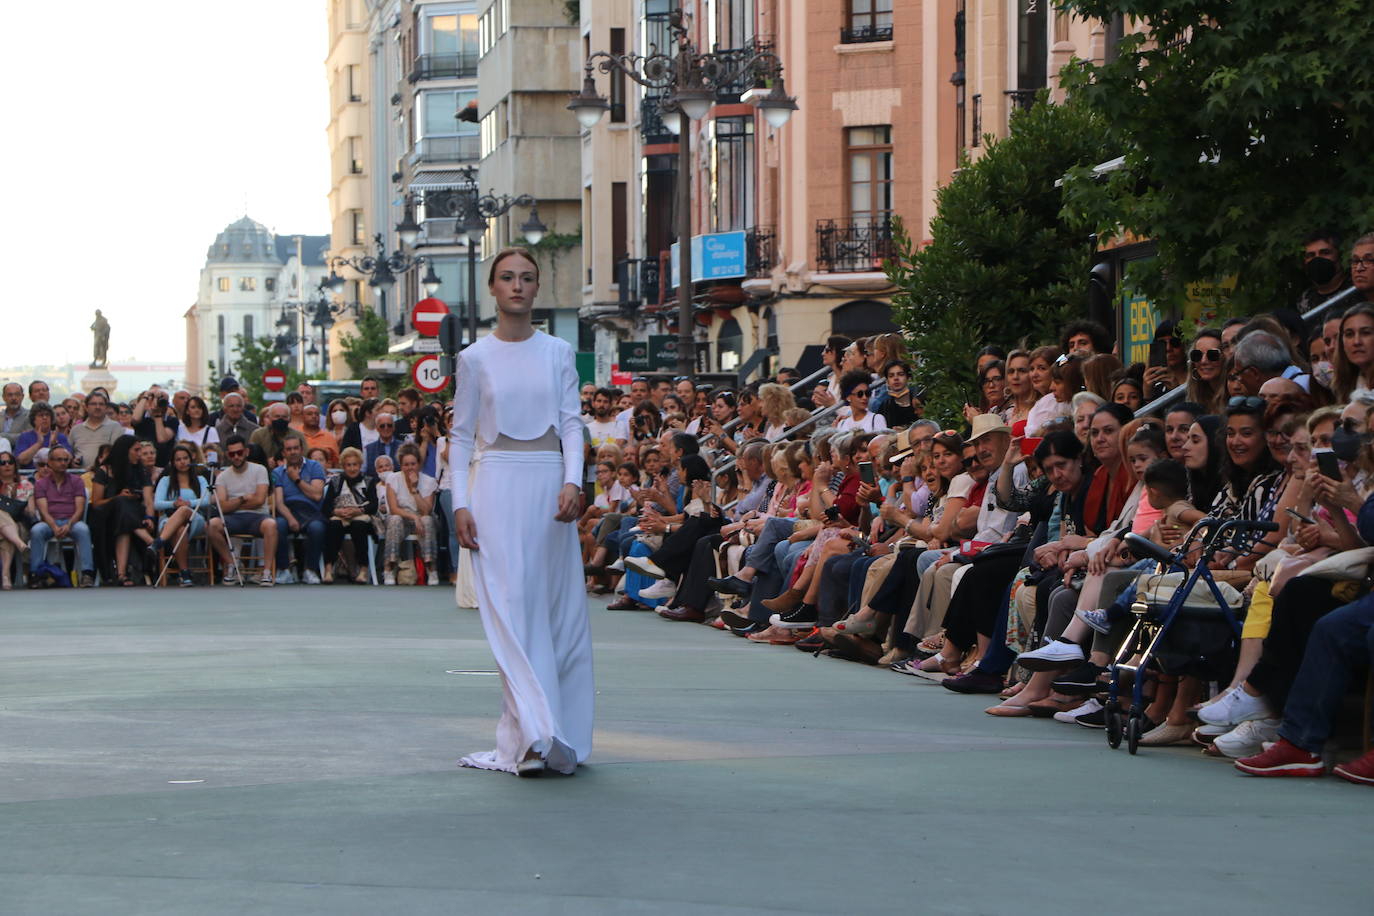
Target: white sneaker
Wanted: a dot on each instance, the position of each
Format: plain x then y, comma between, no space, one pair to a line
1234,707
663,588
1057,654
1072,715
266,581
432,578
231,576
286,577
389,579
617,566
645,566
1248,738
312,577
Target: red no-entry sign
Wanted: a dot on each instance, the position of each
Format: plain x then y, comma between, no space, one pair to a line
427,315
274,380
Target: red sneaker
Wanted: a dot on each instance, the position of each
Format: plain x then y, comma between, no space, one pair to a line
1360,770
1283,758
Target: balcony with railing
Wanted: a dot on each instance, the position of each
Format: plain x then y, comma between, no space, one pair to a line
444,67
447,149
864,34
651,126
760,251
1023,99
638,281
849,245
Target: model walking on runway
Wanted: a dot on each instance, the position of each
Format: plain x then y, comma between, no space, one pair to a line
516,402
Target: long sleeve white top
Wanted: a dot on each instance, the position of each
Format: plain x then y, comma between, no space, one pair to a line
519,390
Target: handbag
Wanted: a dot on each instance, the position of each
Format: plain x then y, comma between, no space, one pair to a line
16,509
1158,589
1346,566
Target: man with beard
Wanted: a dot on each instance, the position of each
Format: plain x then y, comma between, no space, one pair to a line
601,425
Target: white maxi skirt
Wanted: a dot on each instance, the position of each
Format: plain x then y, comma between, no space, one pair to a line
527,571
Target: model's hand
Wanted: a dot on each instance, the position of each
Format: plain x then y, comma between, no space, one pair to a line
465,528
569,503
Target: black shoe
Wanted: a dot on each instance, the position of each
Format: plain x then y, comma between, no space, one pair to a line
1095,719
739,623
1081,681
730,585
804,614
186,581
811,643
975,682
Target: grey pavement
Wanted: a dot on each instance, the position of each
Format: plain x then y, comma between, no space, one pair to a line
293,751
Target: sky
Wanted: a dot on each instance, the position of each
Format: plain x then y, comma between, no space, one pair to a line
134,134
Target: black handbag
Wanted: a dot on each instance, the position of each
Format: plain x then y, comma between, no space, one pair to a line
16,509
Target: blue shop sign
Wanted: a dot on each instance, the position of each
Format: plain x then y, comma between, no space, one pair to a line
718,256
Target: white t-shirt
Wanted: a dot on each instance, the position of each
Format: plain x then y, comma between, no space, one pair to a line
208,435
235,483
961,486
871,423
603,432
427,486
368,436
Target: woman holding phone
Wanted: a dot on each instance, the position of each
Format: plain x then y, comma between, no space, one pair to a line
516,395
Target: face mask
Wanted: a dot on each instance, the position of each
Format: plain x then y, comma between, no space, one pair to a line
339,417
1346,444
1321,271
280,425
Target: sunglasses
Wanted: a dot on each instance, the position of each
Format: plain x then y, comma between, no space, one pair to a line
1252,402
1212,356
3,463
236,453
858,394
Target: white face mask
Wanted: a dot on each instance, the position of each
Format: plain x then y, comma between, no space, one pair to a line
339,417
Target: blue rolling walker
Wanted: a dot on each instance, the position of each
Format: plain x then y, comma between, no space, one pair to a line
1153,620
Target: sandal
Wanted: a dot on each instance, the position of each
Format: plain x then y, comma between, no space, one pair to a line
853,627
932,644
125,581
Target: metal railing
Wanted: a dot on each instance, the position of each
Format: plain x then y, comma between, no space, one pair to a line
1024,99
865,33
760,251
1173,396
651,126
853,244
443,67
448,149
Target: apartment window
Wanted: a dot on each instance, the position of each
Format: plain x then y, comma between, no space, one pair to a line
224,284
620,211
355,155
355,83
248,327
733,179
451,34
958,80
870,20
870,174
270,284
248,284
617,79
977,138
736,24
440,114
1032,48
359,228
492,25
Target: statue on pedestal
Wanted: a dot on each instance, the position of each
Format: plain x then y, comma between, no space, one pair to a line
101,327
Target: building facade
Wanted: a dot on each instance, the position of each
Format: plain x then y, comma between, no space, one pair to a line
249,275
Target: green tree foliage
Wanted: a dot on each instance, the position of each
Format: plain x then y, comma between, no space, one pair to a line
369,342
1244,127
253,357
1004,262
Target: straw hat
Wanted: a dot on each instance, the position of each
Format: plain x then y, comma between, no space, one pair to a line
986,423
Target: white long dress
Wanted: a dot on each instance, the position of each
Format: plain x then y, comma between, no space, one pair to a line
527,570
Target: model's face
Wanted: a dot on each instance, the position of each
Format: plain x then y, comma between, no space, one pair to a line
515,285
1244,439
1206,357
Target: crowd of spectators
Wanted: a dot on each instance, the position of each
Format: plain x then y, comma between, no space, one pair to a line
834,516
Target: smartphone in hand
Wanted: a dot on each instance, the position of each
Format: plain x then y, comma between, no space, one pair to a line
866,472
1327,463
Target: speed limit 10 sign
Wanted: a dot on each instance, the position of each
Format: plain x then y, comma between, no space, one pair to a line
429,375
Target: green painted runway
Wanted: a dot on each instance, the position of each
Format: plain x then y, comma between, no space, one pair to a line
293,751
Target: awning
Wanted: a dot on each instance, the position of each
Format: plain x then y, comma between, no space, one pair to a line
439,181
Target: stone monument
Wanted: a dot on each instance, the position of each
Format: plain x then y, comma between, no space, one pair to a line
99,375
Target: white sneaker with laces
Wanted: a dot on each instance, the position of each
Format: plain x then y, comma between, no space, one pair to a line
1051,656
663,588
389,578
618,565
1248,738
1234,707
645,566
286,577
312,577
1071,715
432,578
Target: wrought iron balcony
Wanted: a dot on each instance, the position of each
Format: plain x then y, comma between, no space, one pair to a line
448,149
651,126
865,33
637,279
444,67
760,250
1023,99
729,93
846,245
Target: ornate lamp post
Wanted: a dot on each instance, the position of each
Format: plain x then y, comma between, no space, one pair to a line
690,80
319,312
473,210
381,269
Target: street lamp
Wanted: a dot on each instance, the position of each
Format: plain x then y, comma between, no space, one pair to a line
381,269
319,312
691,81
471,211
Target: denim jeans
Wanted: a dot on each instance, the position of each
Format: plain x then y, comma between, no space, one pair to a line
41,533
314,544
1341,643
446,507
770,584
760,553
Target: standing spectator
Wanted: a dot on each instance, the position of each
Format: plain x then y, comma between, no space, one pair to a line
1084,338
195,425
774,402
230,385
16,500
270,437
125,489
410,501
61,420
235,419
1205,382
243,504
338,420
902,407
387,443
38,392
181,494
407,420
317,437
14,419
59,502
155,421
124,416
370,388
294,404
639,392
350,502
1362,265
96,430
1321,262
364,432
307,392
299,484
601,425
41,436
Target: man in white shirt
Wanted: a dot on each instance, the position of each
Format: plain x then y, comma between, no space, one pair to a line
601,426
639,391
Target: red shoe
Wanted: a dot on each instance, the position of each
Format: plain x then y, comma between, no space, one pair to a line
1360,770
1283,758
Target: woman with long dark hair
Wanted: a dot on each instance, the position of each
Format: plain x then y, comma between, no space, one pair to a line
516,395
126,490
195,426
182,492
